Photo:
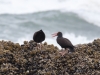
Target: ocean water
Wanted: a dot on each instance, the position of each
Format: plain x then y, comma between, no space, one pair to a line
78,20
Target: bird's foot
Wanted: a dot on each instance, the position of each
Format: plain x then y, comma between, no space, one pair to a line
39,47
63,52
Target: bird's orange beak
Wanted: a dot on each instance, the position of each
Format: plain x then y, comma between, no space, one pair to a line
55,34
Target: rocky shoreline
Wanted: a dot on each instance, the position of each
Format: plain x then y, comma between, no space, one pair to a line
28,59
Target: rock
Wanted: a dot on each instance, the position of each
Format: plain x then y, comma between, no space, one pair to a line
28,59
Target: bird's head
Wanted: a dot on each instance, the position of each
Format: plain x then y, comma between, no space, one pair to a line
59,34
41,30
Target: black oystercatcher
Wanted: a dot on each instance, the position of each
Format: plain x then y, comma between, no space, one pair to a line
39,36
63,42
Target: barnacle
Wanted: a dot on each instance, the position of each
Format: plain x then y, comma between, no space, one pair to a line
29,59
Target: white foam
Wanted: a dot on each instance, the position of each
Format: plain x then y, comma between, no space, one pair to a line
21,40
86,9
77,39
28,6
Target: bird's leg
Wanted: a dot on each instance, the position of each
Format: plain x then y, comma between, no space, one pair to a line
40,46
62,49
63,52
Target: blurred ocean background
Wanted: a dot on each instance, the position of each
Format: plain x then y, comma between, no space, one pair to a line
78,20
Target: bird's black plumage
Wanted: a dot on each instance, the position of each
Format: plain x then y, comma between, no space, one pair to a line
64,42
39,36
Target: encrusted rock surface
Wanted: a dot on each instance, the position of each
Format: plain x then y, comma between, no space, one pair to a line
28,59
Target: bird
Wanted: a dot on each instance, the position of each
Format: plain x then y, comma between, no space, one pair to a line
39,37
63,42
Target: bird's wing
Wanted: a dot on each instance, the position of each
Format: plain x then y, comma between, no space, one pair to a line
34,35
68,42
